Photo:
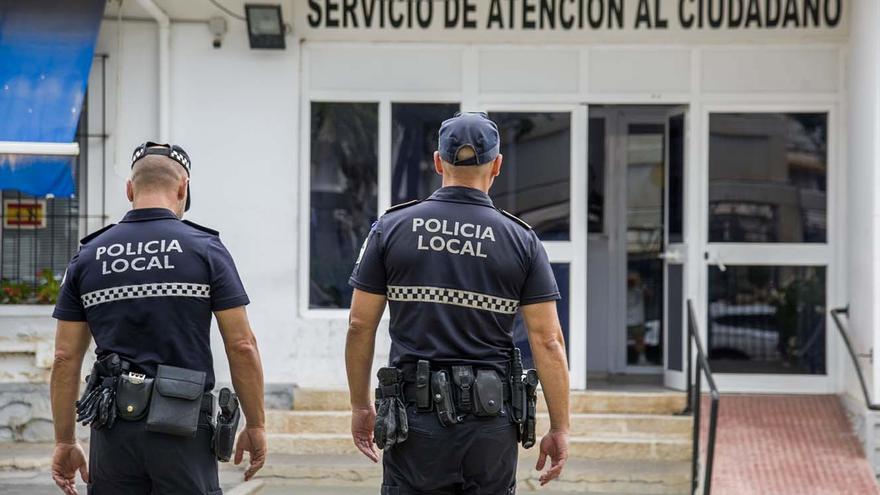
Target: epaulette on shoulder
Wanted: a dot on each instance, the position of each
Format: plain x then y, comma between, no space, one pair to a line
403,205
201,227
515,218
85,240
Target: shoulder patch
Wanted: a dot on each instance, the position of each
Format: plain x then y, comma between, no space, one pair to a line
403,205
515,218
201,227
85,240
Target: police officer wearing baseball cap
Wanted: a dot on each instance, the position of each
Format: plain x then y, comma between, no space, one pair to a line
145,290
453,402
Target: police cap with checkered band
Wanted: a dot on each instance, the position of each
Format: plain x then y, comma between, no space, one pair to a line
173,152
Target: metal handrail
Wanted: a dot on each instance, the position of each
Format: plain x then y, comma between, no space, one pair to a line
694,386
852,354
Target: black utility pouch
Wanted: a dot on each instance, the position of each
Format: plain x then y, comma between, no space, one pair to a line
133,393
488,393
463,378
176,401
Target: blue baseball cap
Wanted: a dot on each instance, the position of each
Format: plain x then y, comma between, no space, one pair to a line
469,129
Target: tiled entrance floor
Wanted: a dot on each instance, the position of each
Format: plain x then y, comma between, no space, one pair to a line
780,445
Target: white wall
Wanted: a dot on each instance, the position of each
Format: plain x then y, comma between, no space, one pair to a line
863,148
235,112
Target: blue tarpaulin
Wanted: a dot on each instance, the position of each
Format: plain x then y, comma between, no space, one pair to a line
46,51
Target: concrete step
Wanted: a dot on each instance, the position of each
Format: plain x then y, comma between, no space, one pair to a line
599,424
580,476
590,401
585,447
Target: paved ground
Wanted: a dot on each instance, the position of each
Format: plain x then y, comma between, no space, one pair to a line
781,445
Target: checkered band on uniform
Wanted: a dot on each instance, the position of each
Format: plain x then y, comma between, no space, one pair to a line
173,289
454,297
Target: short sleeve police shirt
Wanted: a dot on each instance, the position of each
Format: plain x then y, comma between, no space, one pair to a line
147,288
455,271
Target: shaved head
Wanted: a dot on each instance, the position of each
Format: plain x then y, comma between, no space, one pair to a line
159,180
157,173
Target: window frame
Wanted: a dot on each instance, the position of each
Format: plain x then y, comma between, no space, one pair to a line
384,101
828,254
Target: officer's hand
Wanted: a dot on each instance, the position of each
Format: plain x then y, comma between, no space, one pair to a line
555,445
363,420
252,440
67,459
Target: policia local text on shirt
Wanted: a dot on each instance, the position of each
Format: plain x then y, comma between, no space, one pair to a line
453,401
145,290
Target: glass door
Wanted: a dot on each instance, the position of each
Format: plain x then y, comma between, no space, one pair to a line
541,182
674,251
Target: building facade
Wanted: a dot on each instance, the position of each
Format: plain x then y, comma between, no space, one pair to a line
720,152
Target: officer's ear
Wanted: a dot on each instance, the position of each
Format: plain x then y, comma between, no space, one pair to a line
129,190
438,163
181,189
496,165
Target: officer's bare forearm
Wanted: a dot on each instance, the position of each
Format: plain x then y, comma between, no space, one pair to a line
548,350
360,343
71,343
244,363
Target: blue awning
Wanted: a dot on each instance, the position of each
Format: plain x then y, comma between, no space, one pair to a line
46,51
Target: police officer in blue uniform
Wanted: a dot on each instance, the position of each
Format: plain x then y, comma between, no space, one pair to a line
455,271
145,290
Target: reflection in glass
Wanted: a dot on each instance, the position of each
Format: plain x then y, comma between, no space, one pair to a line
676,178
596,166
768,177
535,174
767,319
645,160
344,166
520,337
414,128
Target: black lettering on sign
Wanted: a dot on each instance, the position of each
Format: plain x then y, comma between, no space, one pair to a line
772,20
468,21
595,21
615,13
685,19
330,6
566,21
643,14
425,13
495,15
451,19
716,21
314,17
734,21
791,14
660,22
396,20
348,7
368,7
527,9
754,13
548,14
811,8
832,21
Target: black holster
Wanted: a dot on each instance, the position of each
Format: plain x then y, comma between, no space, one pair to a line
392,426
227,425
527,437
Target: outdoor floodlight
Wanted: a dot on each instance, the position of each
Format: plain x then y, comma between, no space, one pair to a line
265,26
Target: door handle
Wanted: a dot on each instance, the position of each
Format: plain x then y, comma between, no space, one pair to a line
716,260
670,256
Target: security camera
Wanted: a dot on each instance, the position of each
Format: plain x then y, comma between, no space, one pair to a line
217,26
